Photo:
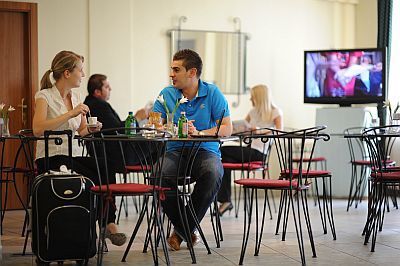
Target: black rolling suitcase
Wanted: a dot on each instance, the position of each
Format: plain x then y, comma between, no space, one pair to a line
63,213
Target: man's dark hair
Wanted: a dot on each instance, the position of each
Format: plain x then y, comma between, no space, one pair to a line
95,83
190,59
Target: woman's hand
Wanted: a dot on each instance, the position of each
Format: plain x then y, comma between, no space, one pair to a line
80,109
95,128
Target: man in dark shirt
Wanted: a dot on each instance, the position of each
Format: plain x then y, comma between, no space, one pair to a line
99,90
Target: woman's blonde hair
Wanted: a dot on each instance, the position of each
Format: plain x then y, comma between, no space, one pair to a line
64,60
262,99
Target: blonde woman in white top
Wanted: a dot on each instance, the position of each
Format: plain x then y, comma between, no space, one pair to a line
263,114
59,107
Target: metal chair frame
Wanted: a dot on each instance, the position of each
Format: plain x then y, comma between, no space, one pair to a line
248,166
153,183
384,176
293,187
360,166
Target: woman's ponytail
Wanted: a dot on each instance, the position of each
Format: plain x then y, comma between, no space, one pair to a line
45,82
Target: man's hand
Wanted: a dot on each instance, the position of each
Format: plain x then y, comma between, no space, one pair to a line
191,128
141,114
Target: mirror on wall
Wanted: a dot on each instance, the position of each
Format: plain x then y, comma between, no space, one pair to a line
223,55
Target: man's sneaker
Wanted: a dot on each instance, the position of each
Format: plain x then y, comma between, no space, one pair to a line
174,241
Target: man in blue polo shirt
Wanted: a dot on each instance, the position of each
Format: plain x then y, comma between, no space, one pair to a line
204,107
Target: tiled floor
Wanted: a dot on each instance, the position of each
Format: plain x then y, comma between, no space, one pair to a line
348,249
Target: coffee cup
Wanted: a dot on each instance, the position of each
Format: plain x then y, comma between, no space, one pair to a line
92,121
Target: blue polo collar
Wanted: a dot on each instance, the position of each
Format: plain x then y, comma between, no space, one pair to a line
202,90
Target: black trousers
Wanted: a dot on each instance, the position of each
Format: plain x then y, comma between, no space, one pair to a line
233,154
85,166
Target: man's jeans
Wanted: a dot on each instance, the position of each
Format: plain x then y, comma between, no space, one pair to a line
207,171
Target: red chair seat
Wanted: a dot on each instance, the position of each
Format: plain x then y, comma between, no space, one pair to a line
311,173
389,163
246,166
127,188
388,168
393,168
390,176
306,160
265,183
361,162
137,168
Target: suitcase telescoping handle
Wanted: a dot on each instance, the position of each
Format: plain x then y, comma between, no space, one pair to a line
47,134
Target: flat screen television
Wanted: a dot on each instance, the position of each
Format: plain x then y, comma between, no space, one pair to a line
345,77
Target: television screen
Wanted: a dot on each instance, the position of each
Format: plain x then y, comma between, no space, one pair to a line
345,77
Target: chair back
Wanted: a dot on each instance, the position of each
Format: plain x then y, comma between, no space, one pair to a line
246,138
380,141
298,150
28,141
285,143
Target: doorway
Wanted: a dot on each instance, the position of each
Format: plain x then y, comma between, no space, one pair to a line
19,79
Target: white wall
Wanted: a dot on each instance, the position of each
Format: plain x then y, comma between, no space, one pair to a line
127,40
366,11
65,30
111,50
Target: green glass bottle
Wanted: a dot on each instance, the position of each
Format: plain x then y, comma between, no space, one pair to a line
182,126
128,124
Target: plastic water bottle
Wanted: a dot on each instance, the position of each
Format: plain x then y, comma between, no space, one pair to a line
183,126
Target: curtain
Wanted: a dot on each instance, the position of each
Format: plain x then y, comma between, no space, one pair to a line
385,8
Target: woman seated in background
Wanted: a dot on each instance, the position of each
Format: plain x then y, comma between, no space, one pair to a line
263,114
59,107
